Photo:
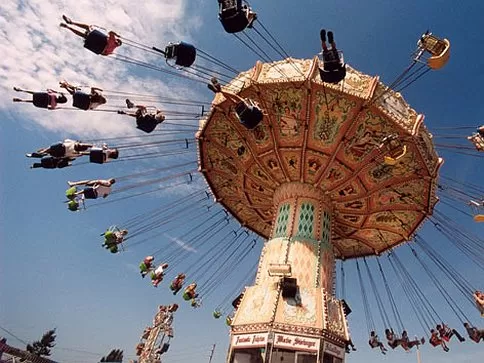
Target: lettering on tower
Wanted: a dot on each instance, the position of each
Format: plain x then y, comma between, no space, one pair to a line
249,340
334,350
296,343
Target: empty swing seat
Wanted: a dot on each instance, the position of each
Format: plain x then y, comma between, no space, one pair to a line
81,100
96,41
184,54
41,99
233,16
96,155
250,115
479,218
438,48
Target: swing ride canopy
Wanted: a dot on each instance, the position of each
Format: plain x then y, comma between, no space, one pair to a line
329,136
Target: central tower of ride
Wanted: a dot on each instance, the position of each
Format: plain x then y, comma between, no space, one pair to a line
332,171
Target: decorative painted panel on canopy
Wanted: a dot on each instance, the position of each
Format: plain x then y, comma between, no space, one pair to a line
358,141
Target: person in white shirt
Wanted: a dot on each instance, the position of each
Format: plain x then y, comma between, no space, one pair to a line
95,188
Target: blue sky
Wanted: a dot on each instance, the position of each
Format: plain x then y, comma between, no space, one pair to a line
53,272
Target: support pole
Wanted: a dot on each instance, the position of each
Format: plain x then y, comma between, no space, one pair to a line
211,354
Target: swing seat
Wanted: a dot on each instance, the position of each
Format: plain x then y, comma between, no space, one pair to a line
81,100
183,53
96,156
96,41
333,77
164,348
332,68
438,48
186,296
393,160
48,162
438,61
41,99
57,150
249,114
73,206
146,123
479,218
233,16
71,193
90,193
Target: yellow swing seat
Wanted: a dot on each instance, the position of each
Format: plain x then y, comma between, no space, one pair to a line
389,160
479,218
438,48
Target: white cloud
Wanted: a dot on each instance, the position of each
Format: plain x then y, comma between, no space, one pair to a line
37,53
182,244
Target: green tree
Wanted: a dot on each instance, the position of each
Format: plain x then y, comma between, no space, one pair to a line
115,355
43,346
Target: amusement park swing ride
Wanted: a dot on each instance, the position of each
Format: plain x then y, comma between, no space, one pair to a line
319,160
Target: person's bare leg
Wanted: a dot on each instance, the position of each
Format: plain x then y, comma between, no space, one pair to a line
80,25
68,87
20,100
80,182
82,146
82,34
18,89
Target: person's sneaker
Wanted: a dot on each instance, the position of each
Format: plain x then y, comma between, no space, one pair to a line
121,112
422,340
129,104
63,25
66,19
383,352
17,89
322,34
446,349
461,339
330,37
71,184
16,100
35,155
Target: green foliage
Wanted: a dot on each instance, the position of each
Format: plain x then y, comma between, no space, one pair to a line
115,355
43,346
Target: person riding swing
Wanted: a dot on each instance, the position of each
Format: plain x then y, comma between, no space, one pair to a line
49,99
158,275
68,148
145,121
375,342
82,100
94,40
333,69
248,111
95,188
190,292
177,283
146,266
